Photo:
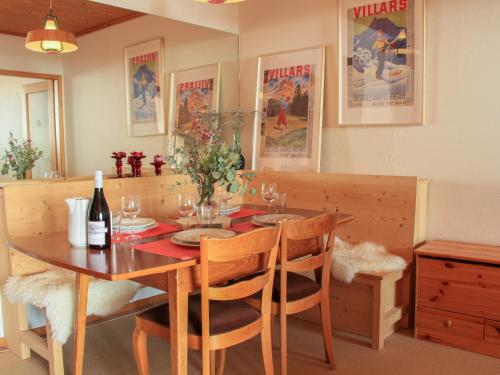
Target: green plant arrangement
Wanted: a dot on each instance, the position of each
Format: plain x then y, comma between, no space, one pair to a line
20,158
207,159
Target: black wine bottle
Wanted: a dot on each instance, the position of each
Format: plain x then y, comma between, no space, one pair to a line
99,218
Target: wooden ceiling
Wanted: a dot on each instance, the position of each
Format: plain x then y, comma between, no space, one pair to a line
17,17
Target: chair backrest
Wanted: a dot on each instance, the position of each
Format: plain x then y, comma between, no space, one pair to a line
316,253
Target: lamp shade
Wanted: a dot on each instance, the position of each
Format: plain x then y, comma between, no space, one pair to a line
219,1
50,39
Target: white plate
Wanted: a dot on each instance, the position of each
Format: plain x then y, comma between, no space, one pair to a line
182,243
231,209
193,235
138,224
271,219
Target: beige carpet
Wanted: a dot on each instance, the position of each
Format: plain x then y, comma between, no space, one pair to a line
109,351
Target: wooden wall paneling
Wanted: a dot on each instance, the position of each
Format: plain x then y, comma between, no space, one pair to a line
384,207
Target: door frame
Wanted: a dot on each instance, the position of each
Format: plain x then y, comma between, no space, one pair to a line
57,81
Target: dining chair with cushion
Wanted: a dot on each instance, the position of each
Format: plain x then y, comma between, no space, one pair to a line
294,292
218,318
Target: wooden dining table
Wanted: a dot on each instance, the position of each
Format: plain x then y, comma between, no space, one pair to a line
123,262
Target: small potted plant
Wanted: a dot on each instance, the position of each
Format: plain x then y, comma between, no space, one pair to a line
19,158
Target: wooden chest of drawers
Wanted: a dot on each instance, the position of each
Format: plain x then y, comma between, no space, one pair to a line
458,295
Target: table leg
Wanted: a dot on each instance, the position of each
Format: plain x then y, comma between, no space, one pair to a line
81,289
178,304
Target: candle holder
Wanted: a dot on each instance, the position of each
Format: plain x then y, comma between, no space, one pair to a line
131,162
118,156
137,156
158,163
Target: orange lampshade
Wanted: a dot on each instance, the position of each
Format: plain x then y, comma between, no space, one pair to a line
50,39
219,1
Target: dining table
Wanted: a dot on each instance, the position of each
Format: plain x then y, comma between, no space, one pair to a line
123,261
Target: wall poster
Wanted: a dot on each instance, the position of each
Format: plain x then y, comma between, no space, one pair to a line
287,132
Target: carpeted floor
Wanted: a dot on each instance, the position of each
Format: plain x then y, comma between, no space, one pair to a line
109,351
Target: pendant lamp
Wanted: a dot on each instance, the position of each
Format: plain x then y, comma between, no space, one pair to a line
219,1
50,39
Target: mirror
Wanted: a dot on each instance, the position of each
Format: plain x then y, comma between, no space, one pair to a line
29,109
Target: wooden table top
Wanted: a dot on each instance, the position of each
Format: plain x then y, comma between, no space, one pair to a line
121,261
461,251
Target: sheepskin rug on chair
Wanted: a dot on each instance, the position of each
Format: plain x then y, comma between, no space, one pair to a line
350,259
54,291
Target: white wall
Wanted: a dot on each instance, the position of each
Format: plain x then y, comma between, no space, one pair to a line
94,79
224,18
458,148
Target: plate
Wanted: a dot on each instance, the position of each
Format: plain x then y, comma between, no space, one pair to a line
230,210
271,219
138,224
193,236
182,243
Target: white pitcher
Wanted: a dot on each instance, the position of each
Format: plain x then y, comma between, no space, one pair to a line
77,224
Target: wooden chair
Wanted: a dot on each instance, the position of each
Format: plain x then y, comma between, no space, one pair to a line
294,293
217,318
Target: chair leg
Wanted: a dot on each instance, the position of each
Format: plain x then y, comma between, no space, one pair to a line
283,342
140,344
56,361
267,346
212,362
327,329
222,362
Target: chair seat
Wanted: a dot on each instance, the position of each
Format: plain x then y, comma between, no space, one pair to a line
298,286
225,316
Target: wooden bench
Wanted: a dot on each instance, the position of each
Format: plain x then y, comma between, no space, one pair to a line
390,210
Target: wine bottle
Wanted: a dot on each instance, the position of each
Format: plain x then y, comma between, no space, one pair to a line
99,218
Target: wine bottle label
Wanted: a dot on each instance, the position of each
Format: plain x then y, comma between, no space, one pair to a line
97,232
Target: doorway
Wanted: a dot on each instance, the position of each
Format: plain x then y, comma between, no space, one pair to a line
36,113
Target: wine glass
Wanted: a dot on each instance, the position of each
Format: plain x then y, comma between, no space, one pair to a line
131,206
268,192
186,205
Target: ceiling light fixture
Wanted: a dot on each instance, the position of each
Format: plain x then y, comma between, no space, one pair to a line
50,39
219,1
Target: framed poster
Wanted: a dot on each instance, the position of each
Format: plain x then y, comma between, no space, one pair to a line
381,62
289,106
192,91
144,88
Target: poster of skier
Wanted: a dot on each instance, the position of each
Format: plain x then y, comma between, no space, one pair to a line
290,92
191,98
381,66
144,72
194,90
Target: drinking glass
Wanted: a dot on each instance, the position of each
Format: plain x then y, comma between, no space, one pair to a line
280,203
225,197
204,214
186,205
131,207
55,174
116,222
268,192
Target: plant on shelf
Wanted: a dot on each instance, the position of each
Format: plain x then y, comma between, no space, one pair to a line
207,159
19,158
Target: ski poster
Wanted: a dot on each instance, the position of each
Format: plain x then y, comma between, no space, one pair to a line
381,61
287,130
144,88
192,97
287,100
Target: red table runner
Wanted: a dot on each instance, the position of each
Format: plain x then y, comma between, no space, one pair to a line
246,212
169,249
162,228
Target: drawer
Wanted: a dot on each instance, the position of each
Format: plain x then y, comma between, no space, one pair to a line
492,332
462,287
449,328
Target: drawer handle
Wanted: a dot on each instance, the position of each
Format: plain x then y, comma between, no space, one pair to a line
448,323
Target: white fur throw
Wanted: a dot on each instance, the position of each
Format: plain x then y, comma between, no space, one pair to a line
349,259
54,291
